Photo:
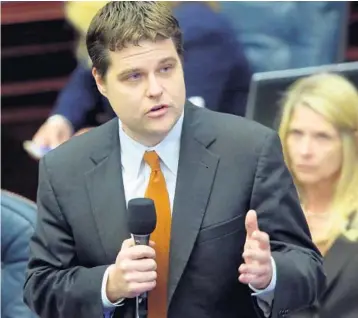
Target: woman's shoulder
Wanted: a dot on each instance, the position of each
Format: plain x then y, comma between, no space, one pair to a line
346,243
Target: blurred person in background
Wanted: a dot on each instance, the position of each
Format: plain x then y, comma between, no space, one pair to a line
18,221
217,73
319,132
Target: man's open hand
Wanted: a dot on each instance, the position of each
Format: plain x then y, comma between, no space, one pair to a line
257,269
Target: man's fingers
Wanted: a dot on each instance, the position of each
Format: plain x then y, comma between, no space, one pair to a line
245,279
253,280
257,268
259,256
139,265
263,239
138,288
259,240
140,277
128,243
253,269
139,252
147,265
251,223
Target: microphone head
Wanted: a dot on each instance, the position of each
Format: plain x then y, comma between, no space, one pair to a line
142,217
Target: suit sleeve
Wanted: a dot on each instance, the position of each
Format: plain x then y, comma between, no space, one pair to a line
216,70
78,97
300,275
55,286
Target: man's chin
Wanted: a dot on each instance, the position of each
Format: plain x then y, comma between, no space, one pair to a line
161,126
159,131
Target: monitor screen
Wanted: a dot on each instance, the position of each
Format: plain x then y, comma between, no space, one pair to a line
267,89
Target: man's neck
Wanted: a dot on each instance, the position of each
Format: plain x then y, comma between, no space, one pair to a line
147,141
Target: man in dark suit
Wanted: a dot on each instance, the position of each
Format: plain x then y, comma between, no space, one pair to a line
231,239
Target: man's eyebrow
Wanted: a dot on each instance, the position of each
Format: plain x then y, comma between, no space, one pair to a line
167,59
128,72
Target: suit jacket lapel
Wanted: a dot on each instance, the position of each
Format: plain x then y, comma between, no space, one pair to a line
106,194
196,172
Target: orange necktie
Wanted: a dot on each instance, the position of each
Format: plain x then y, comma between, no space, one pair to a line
157,191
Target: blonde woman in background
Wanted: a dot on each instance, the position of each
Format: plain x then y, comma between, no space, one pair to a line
319,133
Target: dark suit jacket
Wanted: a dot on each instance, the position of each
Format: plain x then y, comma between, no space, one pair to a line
227,165
215,68
340,299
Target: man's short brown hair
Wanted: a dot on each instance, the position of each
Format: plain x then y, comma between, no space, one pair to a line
120,23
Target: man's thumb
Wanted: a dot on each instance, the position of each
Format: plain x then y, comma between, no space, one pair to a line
251,224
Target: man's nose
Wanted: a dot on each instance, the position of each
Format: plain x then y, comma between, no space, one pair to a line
155,89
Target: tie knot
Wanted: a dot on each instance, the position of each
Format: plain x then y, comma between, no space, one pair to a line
152,159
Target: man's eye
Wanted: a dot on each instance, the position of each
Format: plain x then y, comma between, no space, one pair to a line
134,77
166,69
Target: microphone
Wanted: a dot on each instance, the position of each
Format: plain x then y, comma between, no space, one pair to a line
142,221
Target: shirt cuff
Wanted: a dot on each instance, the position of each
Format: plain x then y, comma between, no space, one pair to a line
107,305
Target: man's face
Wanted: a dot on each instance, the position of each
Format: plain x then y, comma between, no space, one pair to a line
145,87
314,147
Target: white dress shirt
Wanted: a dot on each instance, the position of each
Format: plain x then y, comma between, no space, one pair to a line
136,175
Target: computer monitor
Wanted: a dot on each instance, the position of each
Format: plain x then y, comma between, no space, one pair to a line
267,89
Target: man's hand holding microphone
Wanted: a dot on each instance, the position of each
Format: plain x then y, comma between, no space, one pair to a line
134,272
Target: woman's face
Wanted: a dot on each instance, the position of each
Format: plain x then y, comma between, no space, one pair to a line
314,147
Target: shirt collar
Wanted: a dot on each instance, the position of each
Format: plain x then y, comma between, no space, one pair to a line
132,152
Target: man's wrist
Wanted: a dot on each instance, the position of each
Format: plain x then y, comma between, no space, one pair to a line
271,286
109,301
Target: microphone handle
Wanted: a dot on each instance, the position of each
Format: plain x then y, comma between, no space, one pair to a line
141,300
142,306
141,239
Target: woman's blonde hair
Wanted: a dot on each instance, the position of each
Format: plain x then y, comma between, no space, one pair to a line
336,99
80,14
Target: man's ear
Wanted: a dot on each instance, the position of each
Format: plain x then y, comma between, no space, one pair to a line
101,85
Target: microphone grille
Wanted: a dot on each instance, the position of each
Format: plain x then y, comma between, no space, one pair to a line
142,217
